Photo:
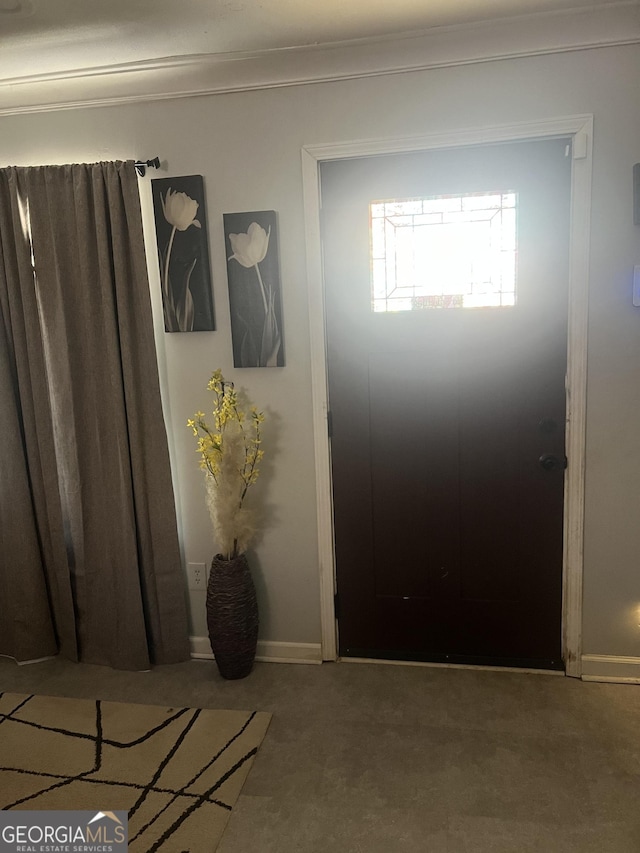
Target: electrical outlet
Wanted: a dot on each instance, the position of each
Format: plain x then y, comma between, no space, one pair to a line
197,576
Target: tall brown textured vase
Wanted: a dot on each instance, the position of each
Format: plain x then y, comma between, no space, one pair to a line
232,616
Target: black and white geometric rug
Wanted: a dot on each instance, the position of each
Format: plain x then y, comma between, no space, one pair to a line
177,771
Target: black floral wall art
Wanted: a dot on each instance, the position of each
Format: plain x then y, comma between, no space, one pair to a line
253,272
183,253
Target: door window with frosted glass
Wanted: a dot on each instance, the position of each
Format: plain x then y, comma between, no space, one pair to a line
444,252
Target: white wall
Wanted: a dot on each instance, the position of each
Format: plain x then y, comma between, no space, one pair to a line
247,146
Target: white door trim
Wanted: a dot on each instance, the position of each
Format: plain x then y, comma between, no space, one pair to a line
581,129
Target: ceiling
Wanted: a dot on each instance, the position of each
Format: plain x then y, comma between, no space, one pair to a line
41,37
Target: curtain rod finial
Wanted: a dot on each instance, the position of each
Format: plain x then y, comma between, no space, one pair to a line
142,165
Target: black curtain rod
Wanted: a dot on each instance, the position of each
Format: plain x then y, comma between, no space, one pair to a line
142,165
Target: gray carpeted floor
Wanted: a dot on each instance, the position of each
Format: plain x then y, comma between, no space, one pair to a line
364,758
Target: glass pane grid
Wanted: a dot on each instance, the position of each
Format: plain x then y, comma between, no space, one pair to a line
444,252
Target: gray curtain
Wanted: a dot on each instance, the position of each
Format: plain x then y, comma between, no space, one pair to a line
89,557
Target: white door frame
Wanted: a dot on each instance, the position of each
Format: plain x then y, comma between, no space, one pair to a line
581,129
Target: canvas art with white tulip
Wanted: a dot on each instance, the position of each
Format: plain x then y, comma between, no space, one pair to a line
183,254
254,288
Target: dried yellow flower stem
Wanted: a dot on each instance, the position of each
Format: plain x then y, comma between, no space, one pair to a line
229,455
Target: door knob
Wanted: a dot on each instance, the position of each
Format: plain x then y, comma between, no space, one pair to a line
551,463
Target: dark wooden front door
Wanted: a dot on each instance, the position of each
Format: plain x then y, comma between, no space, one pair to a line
447,420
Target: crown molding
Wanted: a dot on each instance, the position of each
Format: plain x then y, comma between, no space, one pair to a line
192,76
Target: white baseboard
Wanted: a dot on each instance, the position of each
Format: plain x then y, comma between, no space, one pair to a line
611,668
27,662
270,651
